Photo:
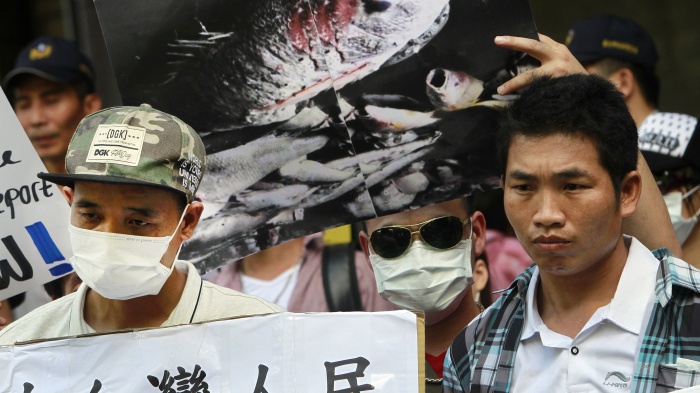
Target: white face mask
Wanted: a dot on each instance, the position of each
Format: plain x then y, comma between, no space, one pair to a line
674,203
120,266
424,278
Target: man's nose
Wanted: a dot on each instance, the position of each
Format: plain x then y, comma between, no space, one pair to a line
549,210
36,116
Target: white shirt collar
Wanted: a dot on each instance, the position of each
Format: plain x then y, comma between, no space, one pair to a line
627,308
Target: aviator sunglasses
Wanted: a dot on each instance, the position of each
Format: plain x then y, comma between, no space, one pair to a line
442,233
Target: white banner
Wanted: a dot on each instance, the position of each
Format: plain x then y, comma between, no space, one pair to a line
34,243
278,353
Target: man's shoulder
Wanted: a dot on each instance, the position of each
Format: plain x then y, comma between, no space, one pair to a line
676,272
226,303
48,321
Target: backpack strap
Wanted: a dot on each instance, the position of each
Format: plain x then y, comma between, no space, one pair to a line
340,278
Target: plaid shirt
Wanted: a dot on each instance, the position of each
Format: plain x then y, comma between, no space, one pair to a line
482,357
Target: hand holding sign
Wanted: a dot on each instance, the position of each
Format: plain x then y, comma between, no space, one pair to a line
556,60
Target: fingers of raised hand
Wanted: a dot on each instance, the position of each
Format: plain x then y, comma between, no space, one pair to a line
518,82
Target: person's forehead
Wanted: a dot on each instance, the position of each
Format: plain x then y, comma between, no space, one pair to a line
125,195
35,84
559,149
453,207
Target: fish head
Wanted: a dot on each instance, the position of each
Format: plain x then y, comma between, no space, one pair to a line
452,90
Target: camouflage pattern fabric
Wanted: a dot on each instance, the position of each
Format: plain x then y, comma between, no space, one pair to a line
138,145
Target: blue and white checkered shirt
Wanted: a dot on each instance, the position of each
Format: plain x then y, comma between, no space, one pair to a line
482,357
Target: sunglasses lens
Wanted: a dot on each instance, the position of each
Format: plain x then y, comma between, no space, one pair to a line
443,233
390,242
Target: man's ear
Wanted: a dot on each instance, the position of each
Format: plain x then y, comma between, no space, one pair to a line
478,232
68,193
191,219
624,80
91,103
630,190
481,276
364,243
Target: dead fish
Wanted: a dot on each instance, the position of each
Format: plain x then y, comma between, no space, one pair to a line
396,120
415,45
378,30
395,166
312,171
232,171
371,167
447,174
387,113
387,154
329,194
284,197
306,119
395,139
361,206
287,217
213,231
412,183
278,54
391,198
452,90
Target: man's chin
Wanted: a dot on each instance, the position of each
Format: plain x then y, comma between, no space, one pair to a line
435,316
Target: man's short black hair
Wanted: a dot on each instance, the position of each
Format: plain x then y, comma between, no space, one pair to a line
469,204
647,79
578,104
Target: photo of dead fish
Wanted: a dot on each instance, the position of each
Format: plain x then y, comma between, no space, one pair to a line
319,113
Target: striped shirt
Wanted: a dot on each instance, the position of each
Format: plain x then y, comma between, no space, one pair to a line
482,357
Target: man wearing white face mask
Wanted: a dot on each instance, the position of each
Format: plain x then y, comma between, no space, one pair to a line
623,52
425,260
132,173
673,153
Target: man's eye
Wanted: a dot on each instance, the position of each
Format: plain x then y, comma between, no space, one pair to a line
139,223
52,99
88,216
522,187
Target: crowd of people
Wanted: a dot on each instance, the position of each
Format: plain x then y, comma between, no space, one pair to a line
597,286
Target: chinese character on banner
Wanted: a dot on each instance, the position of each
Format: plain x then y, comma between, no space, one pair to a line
96,386
186,382
332,377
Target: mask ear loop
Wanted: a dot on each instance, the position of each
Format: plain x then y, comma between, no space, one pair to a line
689,193
177,254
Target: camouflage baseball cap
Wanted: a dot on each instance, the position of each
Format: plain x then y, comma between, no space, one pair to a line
134,145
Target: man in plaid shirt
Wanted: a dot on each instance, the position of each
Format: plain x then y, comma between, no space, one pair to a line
598,312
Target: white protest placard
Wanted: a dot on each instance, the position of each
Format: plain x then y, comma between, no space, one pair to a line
277,353
34,243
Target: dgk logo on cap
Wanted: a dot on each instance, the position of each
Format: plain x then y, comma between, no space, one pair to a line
117,144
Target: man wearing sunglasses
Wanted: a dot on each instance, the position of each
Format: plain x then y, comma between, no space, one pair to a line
598,311
425,260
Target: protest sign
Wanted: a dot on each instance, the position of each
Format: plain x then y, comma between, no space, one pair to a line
325,352
318,113
34,215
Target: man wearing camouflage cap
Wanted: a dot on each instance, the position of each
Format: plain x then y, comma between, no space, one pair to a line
132,176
